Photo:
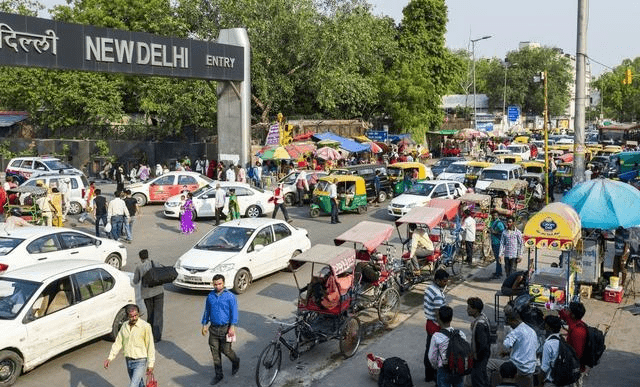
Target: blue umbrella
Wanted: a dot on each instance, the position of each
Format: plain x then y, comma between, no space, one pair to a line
605,204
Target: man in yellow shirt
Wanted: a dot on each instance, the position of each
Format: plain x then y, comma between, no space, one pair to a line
421,247
136,340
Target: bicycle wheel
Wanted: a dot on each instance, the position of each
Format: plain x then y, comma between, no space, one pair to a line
456,262
268,365
350,337
388,305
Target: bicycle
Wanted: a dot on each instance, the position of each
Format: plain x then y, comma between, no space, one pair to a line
451,256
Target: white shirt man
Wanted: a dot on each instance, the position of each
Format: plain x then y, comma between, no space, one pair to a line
220,195
469,229
230,174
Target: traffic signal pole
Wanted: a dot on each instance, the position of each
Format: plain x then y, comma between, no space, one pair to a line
579,124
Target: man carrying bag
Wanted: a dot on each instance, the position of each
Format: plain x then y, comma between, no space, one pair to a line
152,293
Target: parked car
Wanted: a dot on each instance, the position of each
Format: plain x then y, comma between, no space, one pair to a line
252,201
422,192
163,187
49,308
497,172
289,181
26,246
78,184
368,173
26,167
455,171
242,250
443,163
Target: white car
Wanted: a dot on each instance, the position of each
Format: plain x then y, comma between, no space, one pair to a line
422,192
497,172
25,246
521,150
34,166
455,171
163,187
242,251
252,201
49,308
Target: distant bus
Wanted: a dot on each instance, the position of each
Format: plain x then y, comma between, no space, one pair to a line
619,134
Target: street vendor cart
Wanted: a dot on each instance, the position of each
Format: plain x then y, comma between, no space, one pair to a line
556,228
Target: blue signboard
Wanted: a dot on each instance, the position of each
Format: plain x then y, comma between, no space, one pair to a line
377,135
485,126
513,113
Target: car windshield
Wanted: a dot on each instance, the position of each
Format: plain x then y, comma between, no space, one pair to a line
225,239
204,188
56,164
443,163
8,244
290,178
475,171
515,148
456,168
14,294
422,189
493,175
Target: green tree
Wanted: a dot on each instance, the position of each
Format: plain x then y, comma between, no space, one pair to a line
21,7
620,102
424,71
521,89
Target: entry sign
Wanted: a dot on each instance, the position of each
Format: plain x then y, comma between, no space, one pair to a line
377,135
36,42
513,113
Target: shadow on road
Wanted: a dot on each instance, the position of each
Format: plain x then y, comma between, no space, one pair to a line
82,377
173,352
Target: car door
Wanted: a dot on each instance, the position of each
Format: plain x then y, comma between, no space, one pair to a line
53,324
440,191
187,182
46,248
246,198
96,301
160,188
205,203
77,245
284,244
262,261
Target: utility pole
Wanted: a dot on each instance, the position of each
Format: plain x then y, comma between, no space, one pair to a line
579,124
473,51
546,138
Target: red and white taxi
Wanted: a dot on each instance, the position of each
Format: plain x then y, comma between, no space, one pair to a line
163,187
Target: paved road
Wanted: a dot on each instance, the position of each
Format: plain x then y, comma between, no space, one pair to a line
183,355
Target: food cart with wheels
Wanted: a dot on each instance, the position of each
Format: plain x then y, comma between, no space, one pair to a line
555,229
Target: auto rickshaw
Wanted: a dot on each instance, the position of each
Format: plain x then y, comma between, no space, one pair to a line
352,195
473,171
510,198
610,150
510,158
533,166
400,173
521,140
564,176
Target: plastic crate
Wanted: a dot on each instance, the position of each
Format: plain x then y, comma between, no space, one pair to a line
613,294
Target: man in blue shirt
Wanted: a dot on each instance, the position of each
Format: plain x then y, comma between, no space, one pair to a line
220,318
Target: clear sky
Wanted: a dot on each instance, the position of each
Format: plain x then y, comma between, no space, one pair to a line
611,35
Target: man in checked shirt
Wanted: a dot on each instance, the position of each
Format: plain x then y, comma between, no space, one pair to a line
511,246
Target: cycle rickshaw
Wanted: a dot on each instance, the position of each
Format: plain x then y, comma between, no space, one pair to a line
511,199
480,207
373,273
325,310
27,195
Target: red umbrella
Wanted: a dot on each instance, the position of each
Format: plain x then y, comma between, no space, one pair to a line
375,148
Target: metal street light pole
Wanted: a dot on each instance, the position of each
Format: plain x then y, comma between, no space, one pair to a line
473,53
504,95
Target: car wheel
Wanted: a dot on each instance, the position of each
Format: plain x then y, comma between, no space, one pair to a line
241,281
10,367
194,215
75,208
121,318
382,196
140,198
290,199
114,260
254,211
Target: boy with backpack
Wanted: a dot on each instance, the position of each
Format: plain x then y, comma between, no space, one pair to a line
559,361
446,349
480,342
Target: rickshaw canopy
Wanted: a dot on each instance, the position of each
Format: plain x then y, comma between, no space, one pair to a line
483,201
450,206
428,216
557,226
510,186
29,189
533,166
521,140
510,159
369,234
481,164
422,170
340,259
566,158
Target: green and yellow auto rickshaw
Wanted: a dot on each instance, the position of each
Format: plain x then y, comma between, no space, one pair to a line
352,195
403,174
564,176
